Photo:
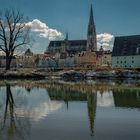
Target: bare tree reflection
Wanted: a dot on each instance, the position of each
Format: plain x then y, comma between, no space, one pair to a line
9,106
12,126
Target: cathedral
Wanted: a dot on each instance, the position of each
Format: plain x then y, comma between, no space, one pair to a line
80,53
76,46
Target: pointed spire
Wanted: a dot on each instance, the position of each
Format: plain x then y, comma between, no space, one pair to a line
91,104
67,36
91,34
91,20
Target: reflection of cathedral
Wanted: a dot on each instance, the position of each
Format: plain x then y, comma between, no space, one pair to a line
68,94
91,104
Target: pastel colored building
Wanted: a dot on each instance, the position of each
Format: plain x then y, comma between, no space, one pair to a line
27,60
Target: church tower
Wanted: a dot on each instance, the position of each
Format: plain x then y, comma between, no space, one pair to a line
91,34
65,43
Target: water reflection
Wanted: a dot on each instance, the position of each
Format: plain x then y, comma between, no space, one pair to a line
19,108
96,96
127,98
12,127
9,107
64,93
23,105
105,98
91,103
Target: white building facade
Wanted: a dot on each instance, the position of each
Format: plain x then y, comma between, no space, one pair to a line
132,61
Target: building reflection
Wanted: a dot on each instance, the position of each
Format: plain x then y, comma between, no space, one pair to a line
129,98
67,94
101,97
95,96
91,104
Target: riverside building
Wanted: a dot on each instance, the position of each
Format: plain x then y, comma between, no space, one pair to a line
126,52
79,53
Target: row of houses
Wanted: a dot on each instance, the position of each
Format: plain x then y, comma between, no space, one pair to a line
84,59
125,54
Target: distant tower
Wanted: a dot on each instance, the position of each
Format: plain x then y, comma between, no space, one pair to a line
67,37
91,35
65,44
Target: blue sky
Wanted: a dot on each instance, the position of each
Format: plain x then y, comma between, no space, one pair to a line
116,17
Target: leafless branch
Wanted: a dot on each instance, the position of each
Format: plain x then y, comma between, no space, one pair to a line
13,31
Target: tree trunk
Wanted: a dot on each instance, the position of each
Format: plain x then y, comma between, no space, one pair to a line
8,62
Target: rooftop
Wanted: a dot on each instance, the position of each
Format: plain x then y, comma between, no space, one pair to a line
126,45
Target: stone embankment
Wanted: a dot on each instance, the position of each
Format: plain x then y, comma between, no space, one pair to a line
78,75
71,75
21,75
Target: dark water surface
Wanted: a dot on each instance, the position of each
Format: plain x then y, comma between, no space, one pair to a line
38,110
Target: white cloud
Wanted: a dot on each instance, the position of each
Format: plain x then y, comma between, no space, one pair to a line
106,40
41,34
105,99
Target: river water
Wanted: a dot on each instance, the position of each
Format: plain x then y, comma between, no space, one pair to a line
41,110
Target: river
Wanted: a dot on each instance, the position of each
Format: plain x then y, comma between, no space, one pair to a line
58,110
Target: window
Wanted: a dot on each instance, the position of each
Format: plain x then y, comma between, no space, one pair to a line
124,61
117,62
132,61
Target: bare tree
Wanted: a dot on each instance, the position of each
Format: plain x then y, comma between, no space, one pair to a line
13,33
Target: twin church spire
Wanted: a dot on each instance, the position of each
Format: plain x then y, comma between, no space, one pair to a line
91,34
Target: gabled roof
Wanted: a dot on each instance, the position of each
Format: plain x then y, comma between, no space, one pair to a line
126,46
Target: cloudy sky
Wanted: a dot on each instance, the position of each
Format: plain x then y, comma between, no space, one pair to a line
51,19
